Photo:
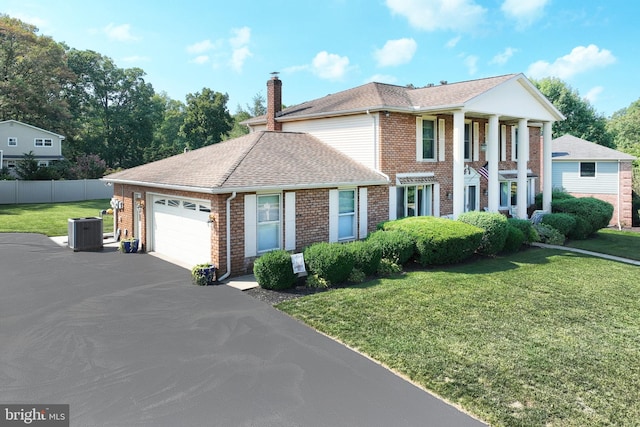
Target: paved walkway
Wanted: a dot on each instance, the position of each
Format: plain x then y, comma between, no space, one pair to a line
582,251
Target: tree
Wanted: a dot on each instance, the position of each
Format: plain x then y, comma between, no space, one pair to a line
34,77
207,119
257,109
27,169
624,125
88,166
167,139
582,121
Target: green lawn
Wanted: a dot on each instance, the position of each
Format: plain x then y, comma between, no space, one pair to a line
625,244
50,219
539,338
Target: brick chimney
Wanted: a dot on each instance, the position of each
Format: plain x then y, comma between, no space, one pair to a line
274,102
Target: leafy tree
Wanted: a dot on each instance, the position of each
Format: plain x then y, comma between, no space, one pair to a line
582,120
27,168
258,108
207,119
167,139
88,166
624,125
34,76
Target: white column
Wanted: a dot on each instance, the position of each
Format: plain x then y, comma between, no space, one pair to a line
546,166
523,155
458,163
493,157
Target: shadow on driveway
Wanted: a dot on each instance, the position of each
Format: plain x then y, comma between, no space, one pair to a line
126,340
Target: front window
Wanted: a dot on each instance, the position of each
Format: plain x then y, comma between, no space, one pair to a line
268,222
414,200
428,139
587,169
347,215
43,142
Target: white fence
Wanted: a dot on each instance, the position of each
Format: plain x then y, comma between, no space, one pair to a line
12,192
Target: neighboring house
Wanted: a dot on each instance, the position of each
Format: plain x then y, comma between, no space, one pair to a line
586,169
17,139
332,168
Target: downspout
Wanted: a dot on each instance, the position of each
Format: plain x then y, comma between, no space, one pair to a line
225,275
619,207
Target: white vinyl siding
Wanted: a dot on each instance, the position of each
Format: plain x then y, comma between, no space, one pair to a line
354,136
566,175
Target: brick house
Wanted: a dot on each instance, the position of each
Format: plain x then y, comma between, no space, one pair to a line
586,169
330,169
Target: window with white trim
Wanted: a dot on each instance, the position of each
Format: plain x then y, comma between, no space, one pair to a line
346,214
587,169
43,164
468,137
268,228
43,142
414,200
12,141
427,138
11,164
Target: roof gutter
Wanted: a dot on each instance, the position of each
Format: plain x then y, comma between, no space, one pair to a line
225,275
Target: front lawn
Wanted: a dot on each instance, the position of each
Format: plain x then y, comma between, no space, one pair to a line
624,244
51,219
539,338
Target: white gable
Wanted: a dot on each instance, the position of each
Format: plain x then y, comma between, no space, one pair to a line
515,98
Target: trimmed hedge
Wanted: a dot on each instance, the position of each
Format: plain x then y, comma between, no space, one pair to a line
274,270
530,233
495,228
366,256
564,223
597,213
330,261
555,195
396,245
514,241
439,240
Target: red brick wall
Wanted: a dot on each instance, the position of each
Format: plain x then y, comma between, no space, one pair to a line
398,154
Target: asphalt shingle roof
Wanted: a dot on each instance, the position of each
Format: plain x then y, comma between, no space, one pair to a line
257,160
569,147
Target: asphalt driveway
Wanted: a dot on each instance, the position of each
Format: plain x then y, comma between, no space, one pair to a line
126,340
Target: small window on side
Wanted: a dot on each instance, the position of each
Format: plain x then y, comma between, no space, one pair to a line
587,169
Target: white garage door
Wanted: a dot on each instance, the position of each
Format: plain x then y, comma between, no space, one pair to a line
181,231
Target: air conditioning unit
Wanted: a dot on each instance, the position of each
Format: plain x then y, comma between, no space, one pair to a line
85,233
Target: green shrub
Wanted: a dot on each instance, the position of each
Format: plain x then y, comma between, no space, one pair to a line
564,223
530,234
439,240
396,245
366,256
495,228
274,270
388,267
514,241
596,212
357,276
330,261
556,194
549,235
582,229
315,282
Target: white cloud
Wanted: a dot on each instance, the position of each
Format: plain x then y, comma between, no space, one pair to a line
202,46
524,12
295,68
580,59
504,56
396,52
200,59
240,45
471,62
593,94
330,66
121,33
453,42
432,15
382,78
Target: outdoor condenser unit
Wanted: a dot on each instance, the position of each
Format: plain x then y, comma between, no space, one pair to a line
85,233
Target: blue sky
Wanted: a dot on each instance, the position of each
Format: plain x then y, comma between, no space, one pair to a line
322,47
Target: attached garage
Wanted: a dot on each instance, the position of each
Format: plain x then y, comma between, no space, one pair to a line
181,229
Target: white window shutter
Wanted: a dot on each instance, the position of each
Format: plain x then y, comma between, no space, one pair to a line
476,141
503,135
436,199
441,147
290,220
393,200
250,225
419,152
334,210
362,212
514,144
